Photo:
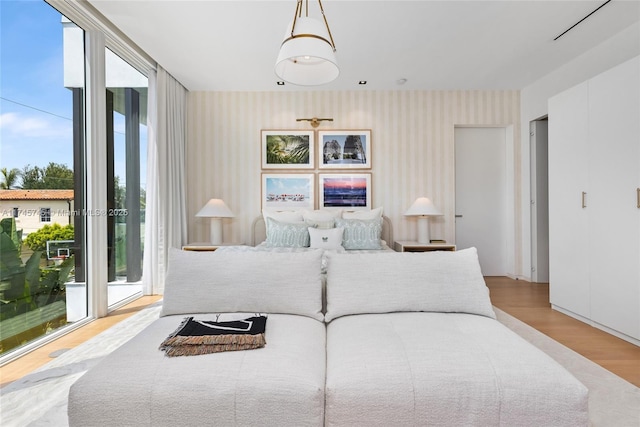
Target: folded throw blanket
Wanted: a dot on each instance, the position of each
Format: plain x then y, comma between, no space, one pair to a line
194,337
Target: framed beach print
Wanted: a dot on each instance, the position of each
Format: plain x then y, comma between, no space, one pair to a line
288,191
344,149
350,191
287,149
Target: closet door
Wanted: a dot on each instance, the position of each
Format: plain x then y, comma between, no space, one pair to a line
614,217
568,225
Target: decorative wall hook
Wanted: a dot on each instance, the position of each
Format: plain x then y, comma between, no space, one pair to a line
315,122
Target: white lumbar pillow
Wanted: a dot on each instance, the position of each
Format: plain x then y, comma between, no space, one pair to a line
326,238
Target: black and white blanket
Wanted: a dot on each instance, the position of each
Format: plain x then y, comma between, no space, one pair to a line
195,337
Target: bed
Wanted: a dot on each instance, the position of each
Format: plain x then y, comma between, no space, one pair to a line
372,338
295,232
259,231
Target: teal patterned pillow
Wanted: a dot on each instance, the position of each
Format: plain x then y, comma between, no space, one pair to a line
361,233
287,234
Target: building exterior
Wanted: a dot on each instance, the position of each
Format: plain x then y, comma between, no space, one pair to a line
33,209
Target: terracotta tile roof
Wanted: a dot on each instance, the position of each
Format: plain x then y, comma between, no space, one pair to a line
36,194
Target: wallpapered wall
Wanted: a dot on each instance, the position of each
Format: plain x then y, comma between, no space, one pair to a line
412,149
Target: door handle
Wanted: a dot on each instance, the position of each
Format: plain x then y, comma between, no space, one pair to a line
584,199
460,216
638,197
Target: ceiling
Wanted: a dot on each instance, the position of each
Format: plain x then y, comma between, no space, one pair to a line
212,45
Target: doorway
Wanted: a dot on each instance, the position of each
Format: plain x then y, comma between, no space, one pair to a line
481,195
539,146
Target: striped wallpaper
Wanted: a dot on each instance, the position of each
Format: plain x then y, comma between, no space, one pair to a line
412,149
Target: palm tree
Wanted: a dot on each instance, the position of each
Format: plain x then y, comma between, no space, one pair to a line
9,178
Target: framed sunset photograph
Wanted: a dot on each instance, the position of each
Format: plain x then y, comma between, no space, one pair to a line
288,191
345,191
344,149
287,149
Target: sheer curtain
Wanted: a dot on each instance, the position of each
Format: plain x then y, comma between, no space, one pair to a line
165,216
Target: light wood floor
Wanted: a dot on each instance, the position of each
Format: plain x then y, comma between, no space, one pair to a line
32,361
528,302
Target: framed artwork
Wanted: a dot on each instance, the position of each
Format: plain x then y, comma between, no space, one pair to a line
287,149
344,149
350,191
288,191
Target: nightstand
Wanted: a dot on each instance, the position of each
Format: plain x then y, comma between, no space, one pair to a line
413,246
200,247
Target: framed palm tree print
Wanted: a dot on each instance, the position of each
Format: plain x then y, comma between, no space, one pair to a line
287,149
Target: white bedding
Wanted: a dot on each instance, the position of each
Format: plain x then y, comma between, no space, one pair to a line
262,247
443,369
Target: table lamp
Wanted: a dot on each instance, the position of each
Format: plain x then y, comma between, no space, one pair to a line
215,209
423,208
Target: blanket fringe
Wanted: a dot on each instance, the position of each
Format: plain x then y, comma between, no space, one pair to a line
229,339
196,350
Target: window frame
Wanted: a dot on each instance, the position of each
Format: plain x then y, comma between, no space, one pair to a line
45,215
99,34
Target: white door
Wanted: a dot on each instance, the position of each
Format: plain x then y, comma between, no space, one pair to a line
614,177
569,197
481,195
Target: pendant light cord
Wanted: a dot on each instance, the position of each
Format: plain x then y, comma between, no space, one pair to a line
298,14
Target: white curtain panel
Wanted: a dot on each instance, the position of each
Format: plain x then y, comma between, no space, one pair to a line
165,216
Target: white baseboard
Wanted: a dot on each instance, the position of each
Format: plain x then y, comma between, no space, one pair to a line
597,325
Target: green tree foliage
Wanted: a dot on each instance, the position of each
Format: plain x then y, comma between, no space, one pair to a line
287,149
9,178
37,241
54,176
25,287
121,195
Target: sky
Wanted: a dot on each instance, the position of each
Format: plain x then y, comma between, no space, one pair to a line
36,110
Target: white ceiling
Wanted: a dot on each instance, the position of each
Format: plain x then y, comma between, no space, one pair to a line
213,45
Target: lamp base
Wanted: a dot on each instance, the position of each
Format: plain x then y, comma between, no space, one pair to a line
216,231
423,230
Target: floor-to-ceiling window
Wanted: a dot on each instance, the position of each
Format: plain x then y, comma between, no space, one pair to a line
72,123
126,172
42,286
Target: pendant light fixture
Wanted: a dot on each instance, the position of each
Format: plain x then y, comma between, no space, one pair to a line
307,54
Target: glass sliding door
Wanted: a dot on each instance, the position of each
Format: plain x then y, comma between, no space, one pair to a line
42,245
126,173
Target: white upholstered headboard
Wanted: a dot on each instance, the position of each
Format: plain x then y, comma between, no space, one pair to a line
259,231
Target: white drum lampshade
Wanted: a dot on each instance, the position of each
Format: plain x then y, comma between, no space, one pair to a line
215,209
423,208
307,55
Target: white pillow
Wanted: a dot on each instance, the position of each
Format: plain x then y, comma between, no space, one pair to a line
441,281
282,216
326,238
371,214
321,218
247,282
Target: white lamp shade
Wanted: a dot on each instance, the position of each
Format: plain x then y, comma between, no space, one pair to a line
308,58
215,208
423,207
